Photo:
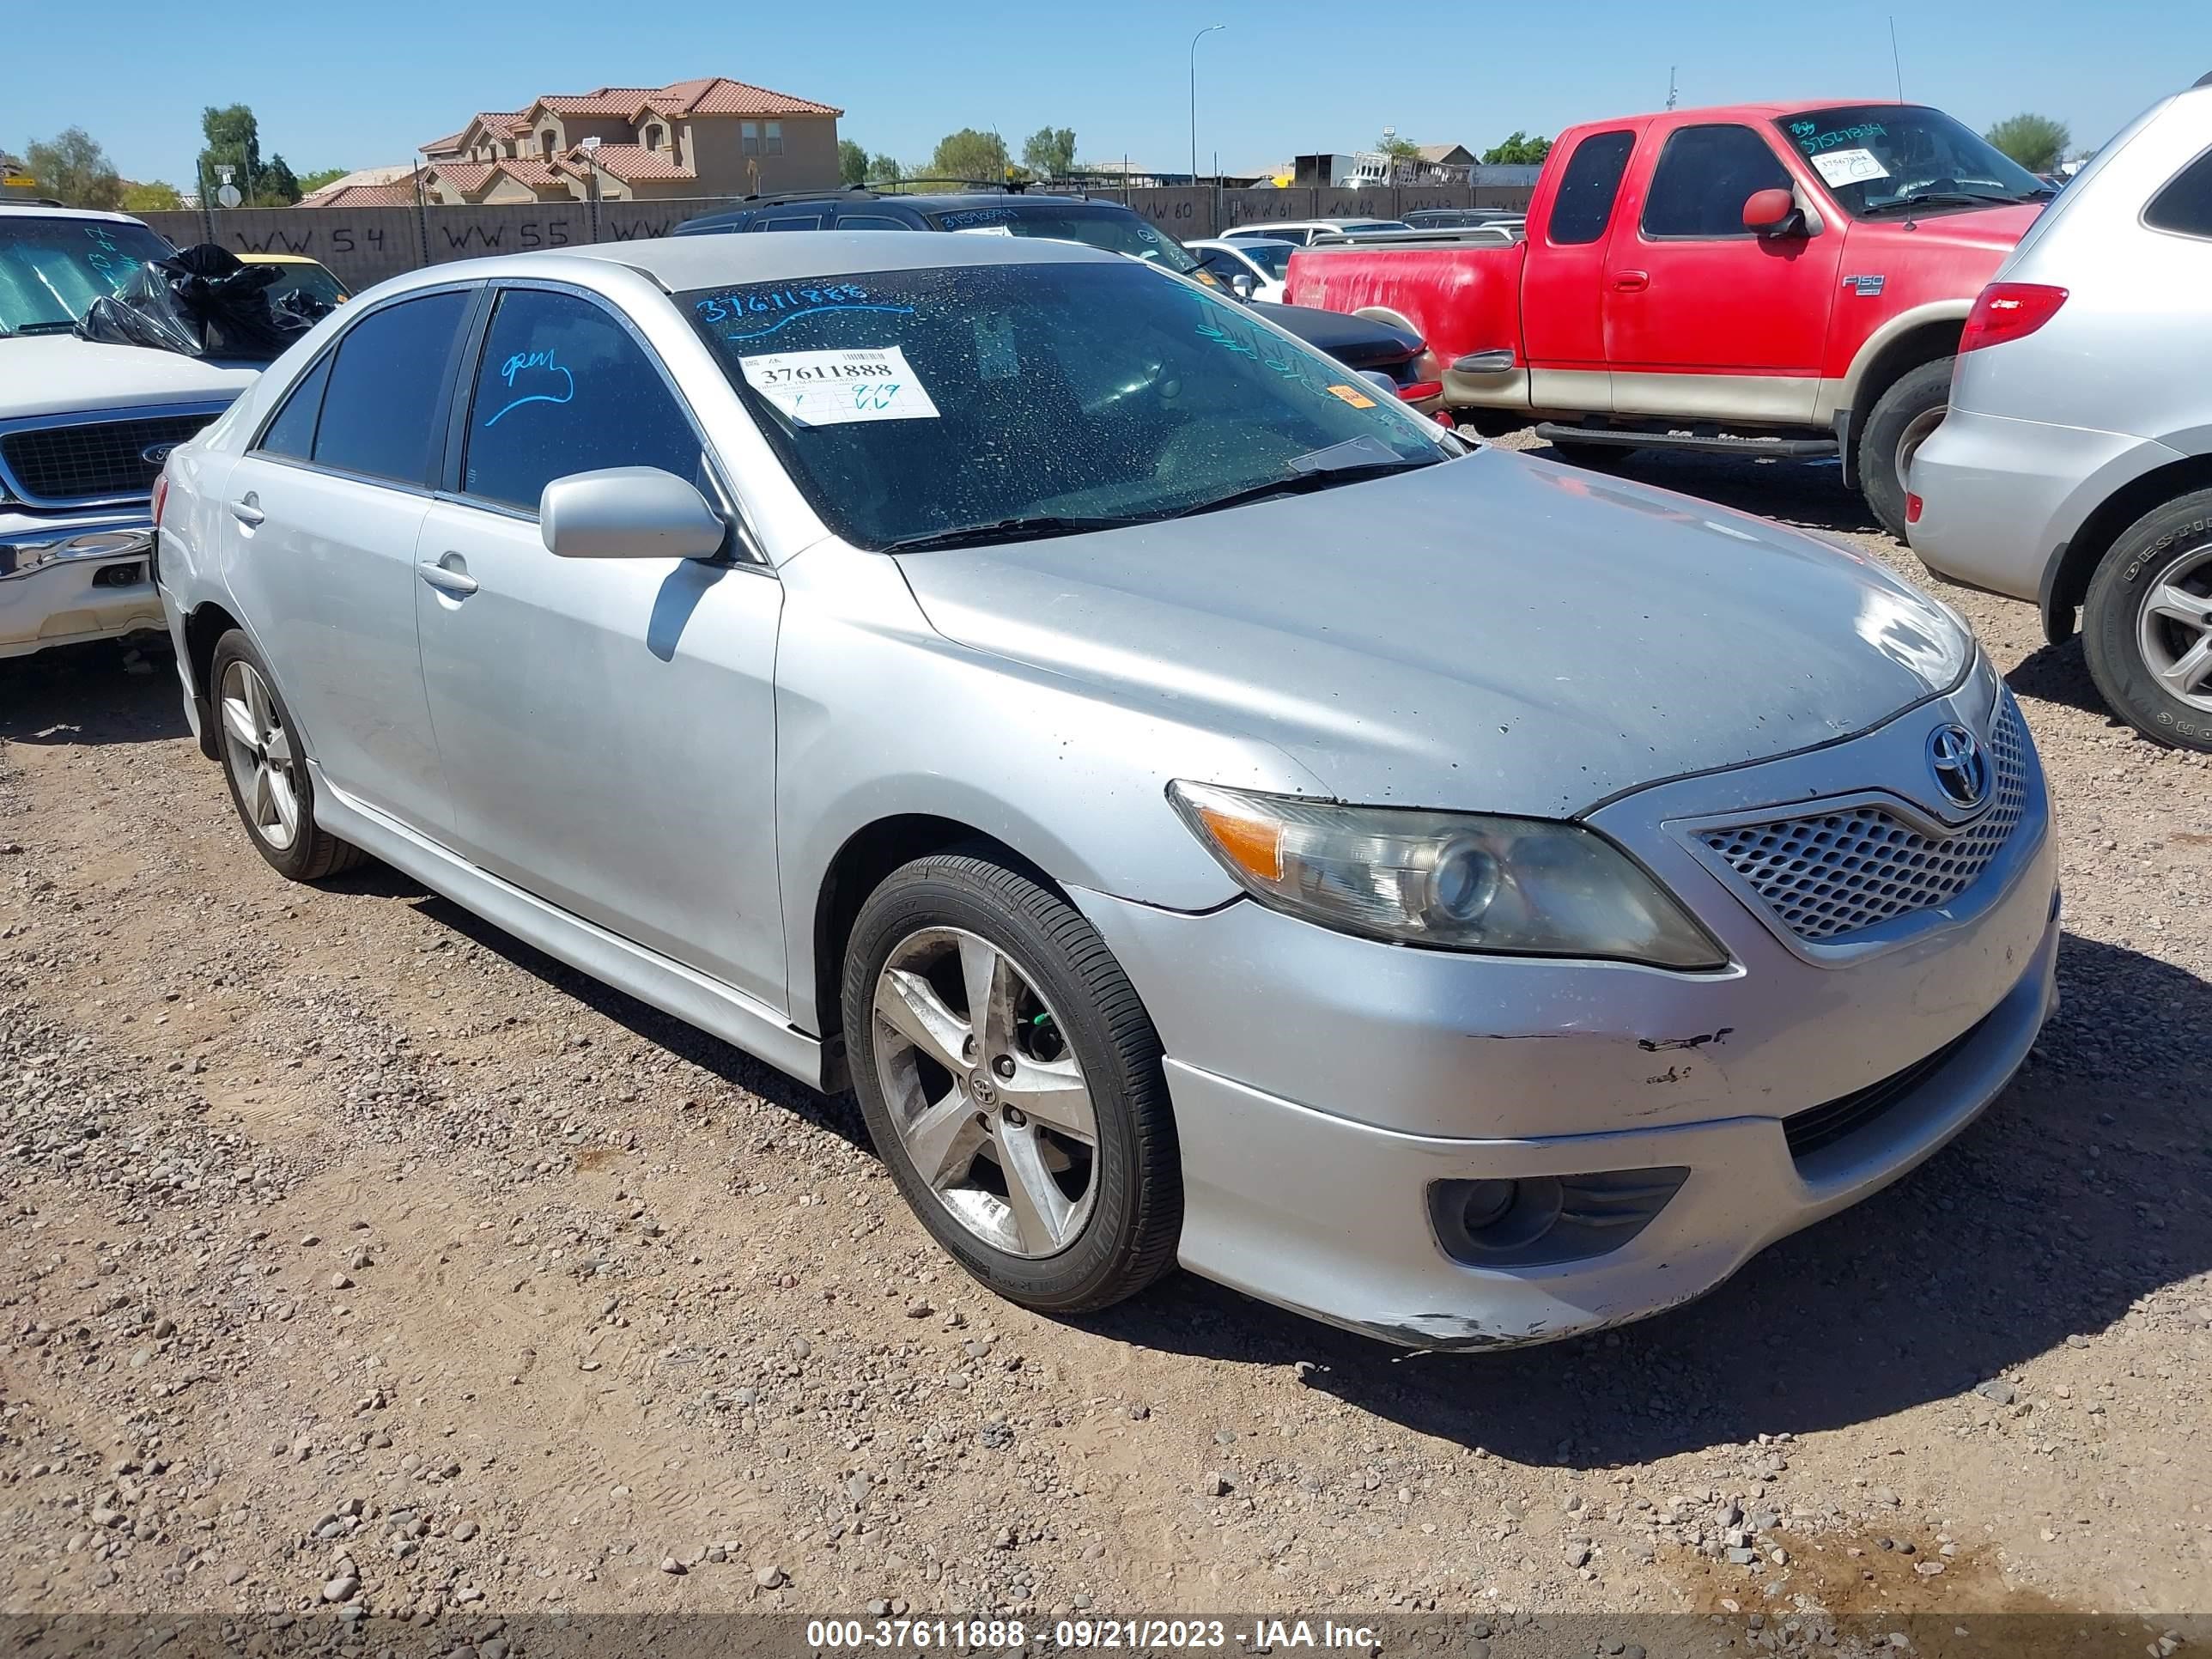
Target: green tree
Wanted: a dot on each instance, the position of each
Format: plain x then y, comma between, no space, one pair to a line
152,197
275,185
884,168
1519,150
311,182
2036,142
1049,152
969,154
852,162
71,168
233,141
1400,149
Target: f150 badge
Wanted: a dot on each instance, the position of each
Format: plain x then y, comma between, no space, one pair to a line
1866,286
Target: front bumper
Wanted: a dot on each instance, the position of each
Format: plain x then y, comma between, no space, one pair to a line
63,582
1998,494
1322,1082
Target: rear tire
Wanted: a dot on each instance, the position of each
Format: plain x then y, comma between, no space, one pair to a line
1899,423
2147,625
265,764
1099,1215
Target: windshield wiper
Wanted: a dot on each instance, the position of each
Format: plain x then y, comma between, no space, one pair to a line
1028,528
38,328
1942,197
1308,478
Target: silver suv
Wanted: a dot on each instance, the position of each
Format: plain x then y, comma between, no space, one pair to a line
2075,468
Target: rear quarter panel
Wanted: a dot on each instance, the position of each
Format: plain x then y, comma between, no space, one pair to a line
1459,298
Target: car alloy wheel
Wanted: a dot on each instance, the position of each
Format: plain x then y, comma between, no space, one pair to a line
259,753
2173,629
985,1093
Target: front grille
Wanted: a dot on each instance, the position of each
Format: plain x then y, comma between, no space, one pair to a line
95,460
1826,876
1817,1126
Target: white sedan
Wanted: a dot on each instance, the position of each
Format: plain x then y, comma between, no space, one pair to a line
1265,260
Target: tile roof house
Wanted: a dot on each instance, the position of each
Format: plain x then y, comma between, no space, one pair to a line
709,137
386,186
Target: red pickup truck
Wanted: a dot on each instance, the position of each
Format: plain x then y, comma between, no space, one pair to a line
1775,278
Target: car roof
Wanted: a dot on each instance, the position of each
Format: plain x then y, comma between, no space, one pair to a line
1239,241
680,262
40,210
1714,112
253,258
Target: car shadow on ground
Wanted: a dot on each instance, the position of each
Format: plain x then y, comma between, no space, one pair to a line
2060,673
110,691
2082,1191
839,1114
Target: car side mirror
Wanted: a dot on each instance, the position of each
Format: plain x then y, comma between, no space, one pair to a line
1244,284
628,513
1772,213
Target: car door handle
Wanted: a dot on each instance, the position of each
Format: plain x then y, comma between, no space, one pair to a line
1631,281
456,582
247,510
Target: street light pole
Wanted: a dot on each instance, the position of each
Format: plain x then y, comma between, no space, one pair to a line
1209,29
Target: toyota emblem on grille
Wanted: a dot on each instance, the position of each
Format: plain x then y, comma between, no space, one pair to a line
155,454
1961,764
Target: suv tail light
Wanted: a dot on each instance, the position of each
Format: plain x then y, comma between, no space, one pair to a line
2009,311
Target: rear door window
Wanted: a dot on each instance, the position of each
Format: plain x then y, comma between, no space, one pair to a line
564,387
381,410
1583,207
870,221
292,434
2185,204
1705,176
790,221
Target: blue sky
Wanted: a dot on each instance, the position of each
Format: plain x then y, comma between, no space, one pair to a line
358,85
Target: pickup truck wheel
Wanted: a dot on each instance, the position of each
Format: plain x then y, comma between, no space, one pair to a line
1012,1081
1903,418
2147,626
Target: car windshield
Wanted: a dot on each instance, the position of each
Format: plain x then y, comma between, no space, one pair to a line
53,269
1878,159
994,402
1116,230
1273,258
312,280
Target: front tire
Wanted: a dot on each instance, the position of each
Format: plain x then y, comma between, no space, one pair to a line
1901,420
265,765
2147,625
1035,1142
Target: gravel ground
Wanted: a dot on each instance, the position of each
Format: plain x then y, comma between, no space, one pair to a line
362,1259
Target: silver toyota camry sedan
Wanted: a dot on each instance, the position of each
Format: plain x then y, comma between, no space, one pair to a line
1208,814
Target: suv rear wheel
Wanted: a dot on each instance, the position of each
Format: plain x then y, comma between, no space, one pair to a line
2147,626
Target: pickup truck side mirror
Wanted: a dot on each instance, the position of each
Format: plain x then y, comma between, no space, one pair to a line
1773,213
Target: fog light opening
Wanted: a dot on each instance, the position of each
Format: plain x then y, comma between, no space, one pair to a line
1537,1220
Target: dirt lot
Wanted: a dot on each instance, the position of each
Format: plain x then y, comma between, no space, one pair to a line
360,1257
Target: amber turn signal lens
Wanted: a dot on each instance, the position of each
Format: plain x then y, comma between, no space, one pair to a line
1255,844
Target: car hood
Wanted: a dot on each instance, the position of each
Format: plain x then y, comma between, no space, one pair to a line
1495,633
1990,229
61,374
1355,342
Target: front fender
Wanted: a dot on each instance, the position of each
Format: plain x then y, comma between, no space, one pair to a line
878,716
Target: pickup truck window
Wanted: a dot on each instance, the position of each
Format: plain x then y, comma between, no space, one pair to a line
1705,176
1879,158
1583,207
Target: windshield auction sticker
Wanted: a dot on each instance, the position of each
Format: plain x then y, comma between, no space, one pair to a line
836,388
1849,167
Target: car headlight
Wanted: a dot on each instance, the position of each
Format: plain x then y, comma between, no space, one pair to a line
1451,880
